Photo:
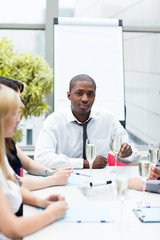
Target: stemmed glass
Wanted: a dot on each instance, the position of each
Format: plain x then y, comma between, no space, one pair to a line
90,152
122,189
116,146
154,153
144,171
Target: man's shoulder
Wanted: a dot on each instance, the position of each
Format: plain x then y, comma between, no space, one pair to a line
102,113
58,116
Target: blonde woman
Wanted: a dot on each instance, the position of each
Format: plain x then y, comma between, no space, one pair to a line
18,159
11,195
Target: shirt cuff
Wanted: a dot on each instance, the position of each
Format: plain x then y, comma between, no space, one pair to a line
153,186
131,159
76,162
158,164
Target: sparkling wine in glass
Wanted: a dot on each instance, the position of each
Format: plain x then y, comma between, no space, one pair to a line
122,189
154,154
90,152
144,171
116,146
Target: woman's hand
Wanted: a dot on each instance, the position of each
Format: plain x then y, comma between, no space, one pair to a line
61,176
50,199
57,210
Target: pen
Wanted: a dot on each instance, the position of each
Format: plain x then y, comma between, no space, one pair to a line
100,183
101,221
82,174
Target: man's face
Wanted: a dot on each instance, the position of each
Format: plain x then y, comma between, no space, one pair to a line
82,97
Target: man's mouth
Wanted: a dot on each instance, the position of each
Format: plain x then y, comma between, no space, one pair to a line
84,106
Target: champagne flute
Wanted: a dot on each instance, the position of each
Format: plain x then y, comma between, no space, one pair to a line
154,153
90,152
122,189
144,171
116,146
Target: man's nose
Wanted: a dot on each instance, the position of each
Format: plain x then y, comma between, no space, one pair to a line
84,98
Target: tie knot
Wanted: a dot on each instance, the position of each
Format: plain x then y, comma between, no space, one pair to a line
82,124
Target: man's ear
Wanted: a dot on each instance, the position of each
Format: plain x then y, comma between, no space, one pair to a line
69,95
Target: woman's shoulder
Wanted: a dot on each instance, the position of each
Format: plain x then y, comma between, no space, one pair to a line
2,178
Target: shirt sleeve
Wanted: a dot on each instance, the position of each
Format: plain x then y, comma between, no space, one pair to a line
158,164
119,131
45,150
153,186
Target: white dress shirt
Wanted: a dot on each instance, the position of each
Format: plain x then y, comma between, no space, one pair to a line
60,142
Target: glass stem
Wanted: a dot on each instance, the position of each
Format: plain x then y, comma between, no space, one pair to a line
90,166
115,159
144,183
122,211
116,154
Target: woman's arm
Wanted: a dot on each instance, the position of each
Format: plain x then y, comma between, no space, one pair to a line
59,178
32,166
30,198
18,227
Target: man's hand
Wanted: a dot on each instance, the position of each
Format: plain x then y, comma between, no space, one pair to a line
154,174
125,151
99,162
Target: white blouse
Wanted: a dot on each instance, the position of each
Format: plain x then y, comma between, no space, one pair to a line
13,194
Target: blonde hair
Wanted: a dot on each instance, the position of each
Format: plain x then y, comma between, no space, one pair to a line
9,102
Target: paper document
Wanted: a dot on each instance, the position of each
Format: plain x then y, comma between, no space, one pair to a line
74,180
80,215
148,214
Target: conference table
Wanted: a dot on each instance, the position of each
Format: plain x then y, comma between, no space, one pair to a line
124,224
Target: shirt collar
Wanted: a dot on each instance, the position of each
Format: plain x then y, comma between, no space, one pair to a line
71,117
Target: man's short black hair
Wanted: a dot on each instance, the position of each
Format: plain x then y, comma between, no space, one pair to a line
80,77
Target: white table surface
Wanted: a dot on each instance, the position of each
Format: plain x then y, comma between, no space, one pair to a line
101,196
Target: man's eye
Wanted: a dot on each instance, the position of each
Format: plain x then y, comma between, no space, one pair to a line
79,94
90,94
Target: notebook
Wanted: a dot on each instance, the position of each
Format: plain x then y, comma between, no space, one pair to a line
84,214
148,214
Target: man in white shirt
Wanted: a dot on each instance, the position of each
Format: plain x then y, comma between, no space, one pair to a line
60,142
